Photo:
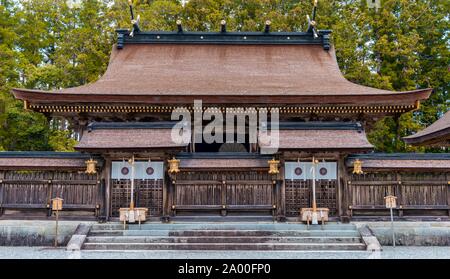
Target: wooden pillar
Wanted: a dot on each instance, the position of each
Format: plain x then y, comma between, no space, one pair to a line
169,189
107,178
2,177
399,192
344,189
447,176
223,195
282,193
165,192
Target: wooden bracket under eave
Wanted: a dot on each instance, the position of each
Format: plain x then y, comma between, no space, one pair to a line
416,105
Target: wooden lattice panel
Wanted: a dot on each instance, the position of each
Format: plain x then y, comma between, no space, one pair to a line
299,195
147,193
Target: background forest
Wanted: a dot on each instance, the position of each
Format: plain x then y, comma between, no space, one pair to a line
51,44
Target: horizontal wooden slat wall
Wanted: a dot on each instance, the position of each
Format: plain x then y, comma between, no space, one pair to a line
23,192
418,193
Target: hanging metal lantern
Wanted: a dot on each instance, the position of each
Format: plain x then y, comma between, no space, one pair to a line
174,165
357,167
91,166
273,166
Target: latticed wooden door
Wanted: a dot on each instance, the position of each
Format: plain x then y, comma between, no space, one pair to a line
299,195
148,193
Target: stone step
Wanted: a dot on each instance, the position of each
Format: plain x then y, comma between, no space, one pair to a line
204,233
220,239
279,233
225,219
223,226
225,246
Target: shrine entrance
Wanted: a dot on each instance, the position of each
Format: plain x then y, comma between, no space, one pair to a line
148,186
226,193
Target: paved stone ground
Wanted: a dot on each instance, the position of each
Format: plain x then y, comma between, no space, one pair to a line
410,252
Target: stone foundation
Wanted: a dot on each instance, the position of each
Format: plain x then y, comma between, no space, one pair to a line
411,233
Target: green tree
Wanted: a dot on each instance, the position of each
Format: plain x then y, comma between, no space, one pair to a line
47,44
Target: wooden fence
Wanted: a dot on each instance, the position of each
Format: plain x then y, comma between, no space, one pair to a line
418,194
25,193
226,192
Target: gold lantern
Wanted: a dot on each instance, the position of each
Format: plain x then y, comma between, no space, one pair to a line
90,166
273,166
357,167
174,165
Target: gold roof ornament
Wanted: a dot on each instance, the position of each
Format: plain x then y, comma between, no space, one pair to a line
91,166
273,166
357,167
174,165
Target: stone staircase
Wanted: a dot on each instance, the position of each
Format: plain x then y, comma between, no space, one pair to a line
223,236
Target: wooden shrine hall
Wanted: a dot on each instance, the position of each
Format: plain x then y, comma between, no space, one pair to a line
125,118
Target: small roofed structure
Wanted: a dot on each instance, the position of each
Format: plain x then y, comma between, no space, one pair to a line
323,136
401,161
44,160
128,136
437,134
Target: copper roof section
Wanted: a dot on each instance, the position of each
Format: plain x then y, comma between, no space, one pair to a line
43,160
224,163
124,136
178,73
437,133
323,137
405,161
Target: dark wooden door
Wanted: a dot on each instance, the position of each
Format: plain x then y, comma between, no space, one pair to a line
228,192
147,193
299,195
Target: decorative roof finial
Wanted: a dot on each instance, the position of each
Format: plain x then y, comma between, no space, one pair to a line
223,26
267,28
180,28
312,21
135,22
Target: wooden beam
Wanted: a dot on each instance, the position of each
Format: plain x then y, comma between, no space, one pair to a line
107,177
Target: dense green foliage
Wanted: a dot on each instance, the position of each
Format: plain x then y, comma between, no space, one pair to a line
49,44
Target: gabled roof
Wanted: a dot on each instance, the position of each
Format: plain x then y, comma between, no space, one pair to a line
223,68
437,133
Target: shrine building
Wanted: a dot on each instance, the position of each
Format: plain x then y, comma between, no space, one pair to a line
124,124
